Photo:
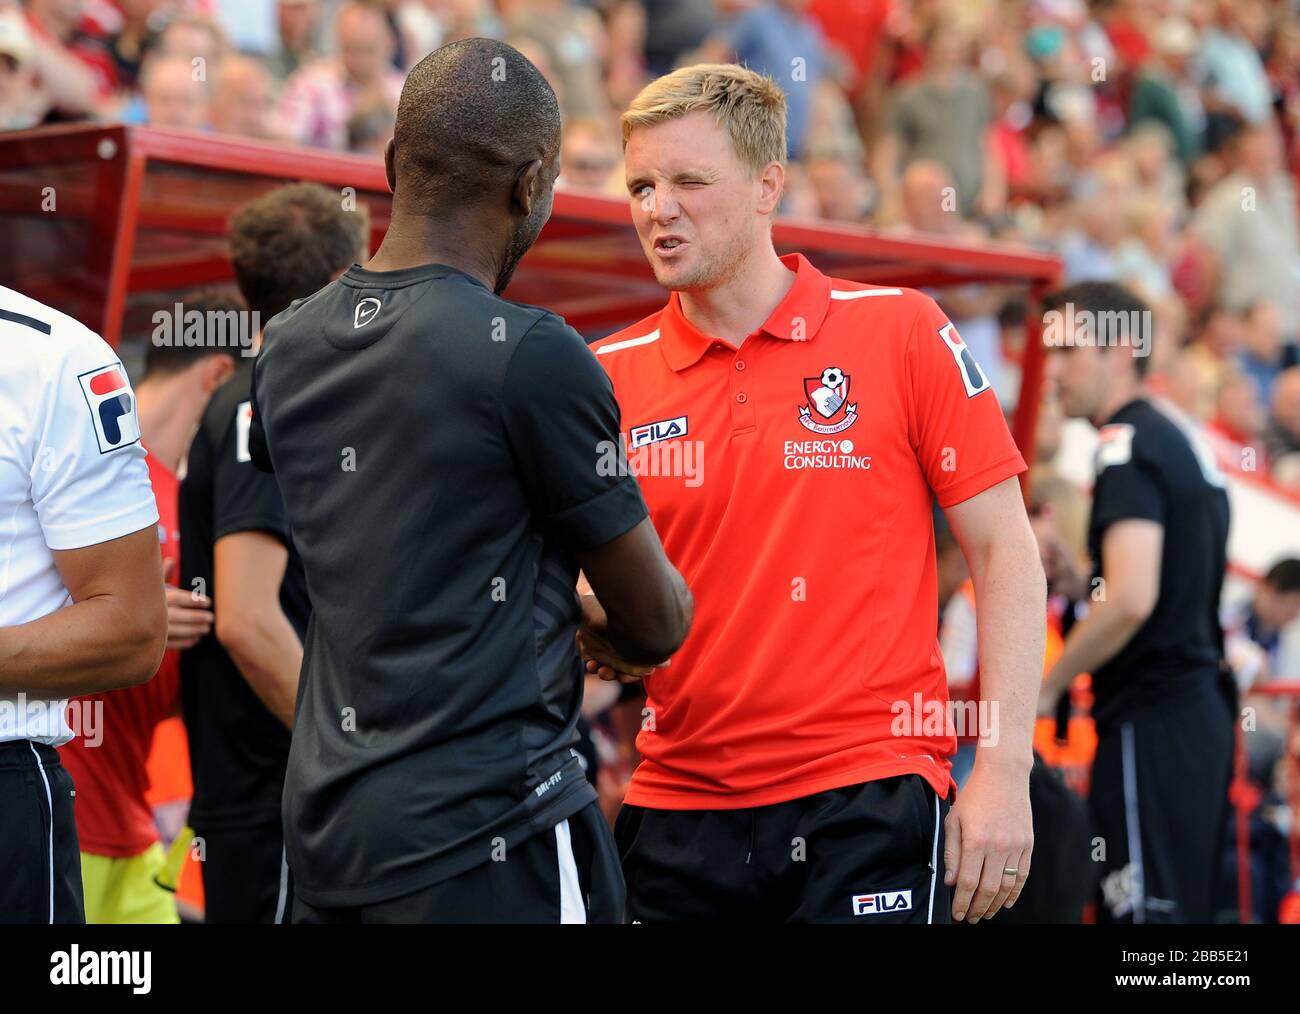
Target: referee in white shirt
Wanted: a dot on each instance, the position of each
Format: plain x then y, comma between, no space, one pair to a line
81,587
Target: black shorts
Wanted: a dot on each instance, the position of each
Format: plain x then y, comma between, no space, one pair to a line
1159,799
865,853
39,852
568,874
245,879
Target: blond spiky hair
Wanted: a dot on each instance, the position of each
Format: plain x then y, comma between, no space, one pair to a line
748,105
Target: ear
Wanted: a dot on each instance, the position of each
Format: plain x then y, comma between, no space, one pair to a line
771,184
215,371
390,158
521,198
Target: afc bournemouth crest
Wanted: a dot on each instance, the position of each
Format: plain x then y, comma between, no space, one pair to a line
828,397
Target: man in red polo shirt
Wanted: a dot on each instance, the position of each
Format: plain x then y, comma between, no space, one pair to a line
791,432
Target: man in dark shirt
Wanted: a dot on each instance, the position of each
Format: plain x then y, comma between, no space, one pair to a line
238,684
442,454
1152,640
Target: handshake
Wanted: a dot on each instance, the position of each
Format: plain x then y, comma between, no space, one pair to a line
599,655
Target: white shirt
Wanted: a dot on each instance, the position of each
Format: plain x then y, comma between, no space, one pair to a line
72,473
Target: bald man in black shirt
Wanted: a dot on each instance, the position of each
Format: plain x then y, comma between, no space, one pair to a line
437,447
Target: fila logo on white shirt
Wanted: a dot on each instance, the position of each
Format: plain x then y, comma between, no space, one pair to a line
112,407
971,375
882,902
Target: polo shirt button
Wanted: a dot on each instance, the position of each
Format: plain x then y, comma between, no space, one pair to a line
741,397
740,364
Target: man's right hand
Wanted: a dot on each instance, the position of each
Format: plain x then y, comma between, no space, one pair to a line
599,655
189,618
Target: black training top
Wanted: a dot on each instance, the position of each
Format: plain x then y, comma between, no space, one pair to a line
1152,466
238,749
439,452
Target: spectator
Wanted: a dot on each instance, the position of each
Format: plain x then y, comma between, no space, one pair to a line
1229,66
674,28
1248,224
130,44
777,38
590,158
1091,239
1282,436
1263,354
625,74
1214,351
799,197
73,76
369,129
930,206
299,22
574,41
1237,426
172,95
843,191
17,109
1161,92
945,117
319,98
1267,620
197,39
243,102
1158,175
1143,256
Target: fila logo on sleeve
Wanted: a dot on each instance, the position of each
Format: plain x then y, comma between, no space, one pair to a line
112,407
971,374
882,902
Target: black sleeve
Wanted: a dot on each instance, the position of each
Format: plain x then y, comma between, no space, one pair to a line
257,449
562,423
1127,490
244,499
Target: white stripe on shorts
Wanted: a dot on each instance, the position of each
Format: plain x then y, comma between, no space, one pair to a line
50,802
934,859
572,908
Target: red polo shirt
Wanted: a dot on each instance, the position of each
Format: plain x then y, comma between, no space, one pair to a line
791,481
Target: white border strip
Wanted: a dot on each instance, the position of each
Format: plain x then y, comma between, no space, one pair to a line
863,293
645,339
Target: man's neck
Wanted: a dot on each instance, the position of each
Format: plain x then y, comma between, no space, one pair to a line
413,241
169,412
738,307
1121,396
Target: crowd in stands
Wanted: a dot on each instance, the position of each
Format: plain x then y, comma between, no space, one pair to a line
1154,141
